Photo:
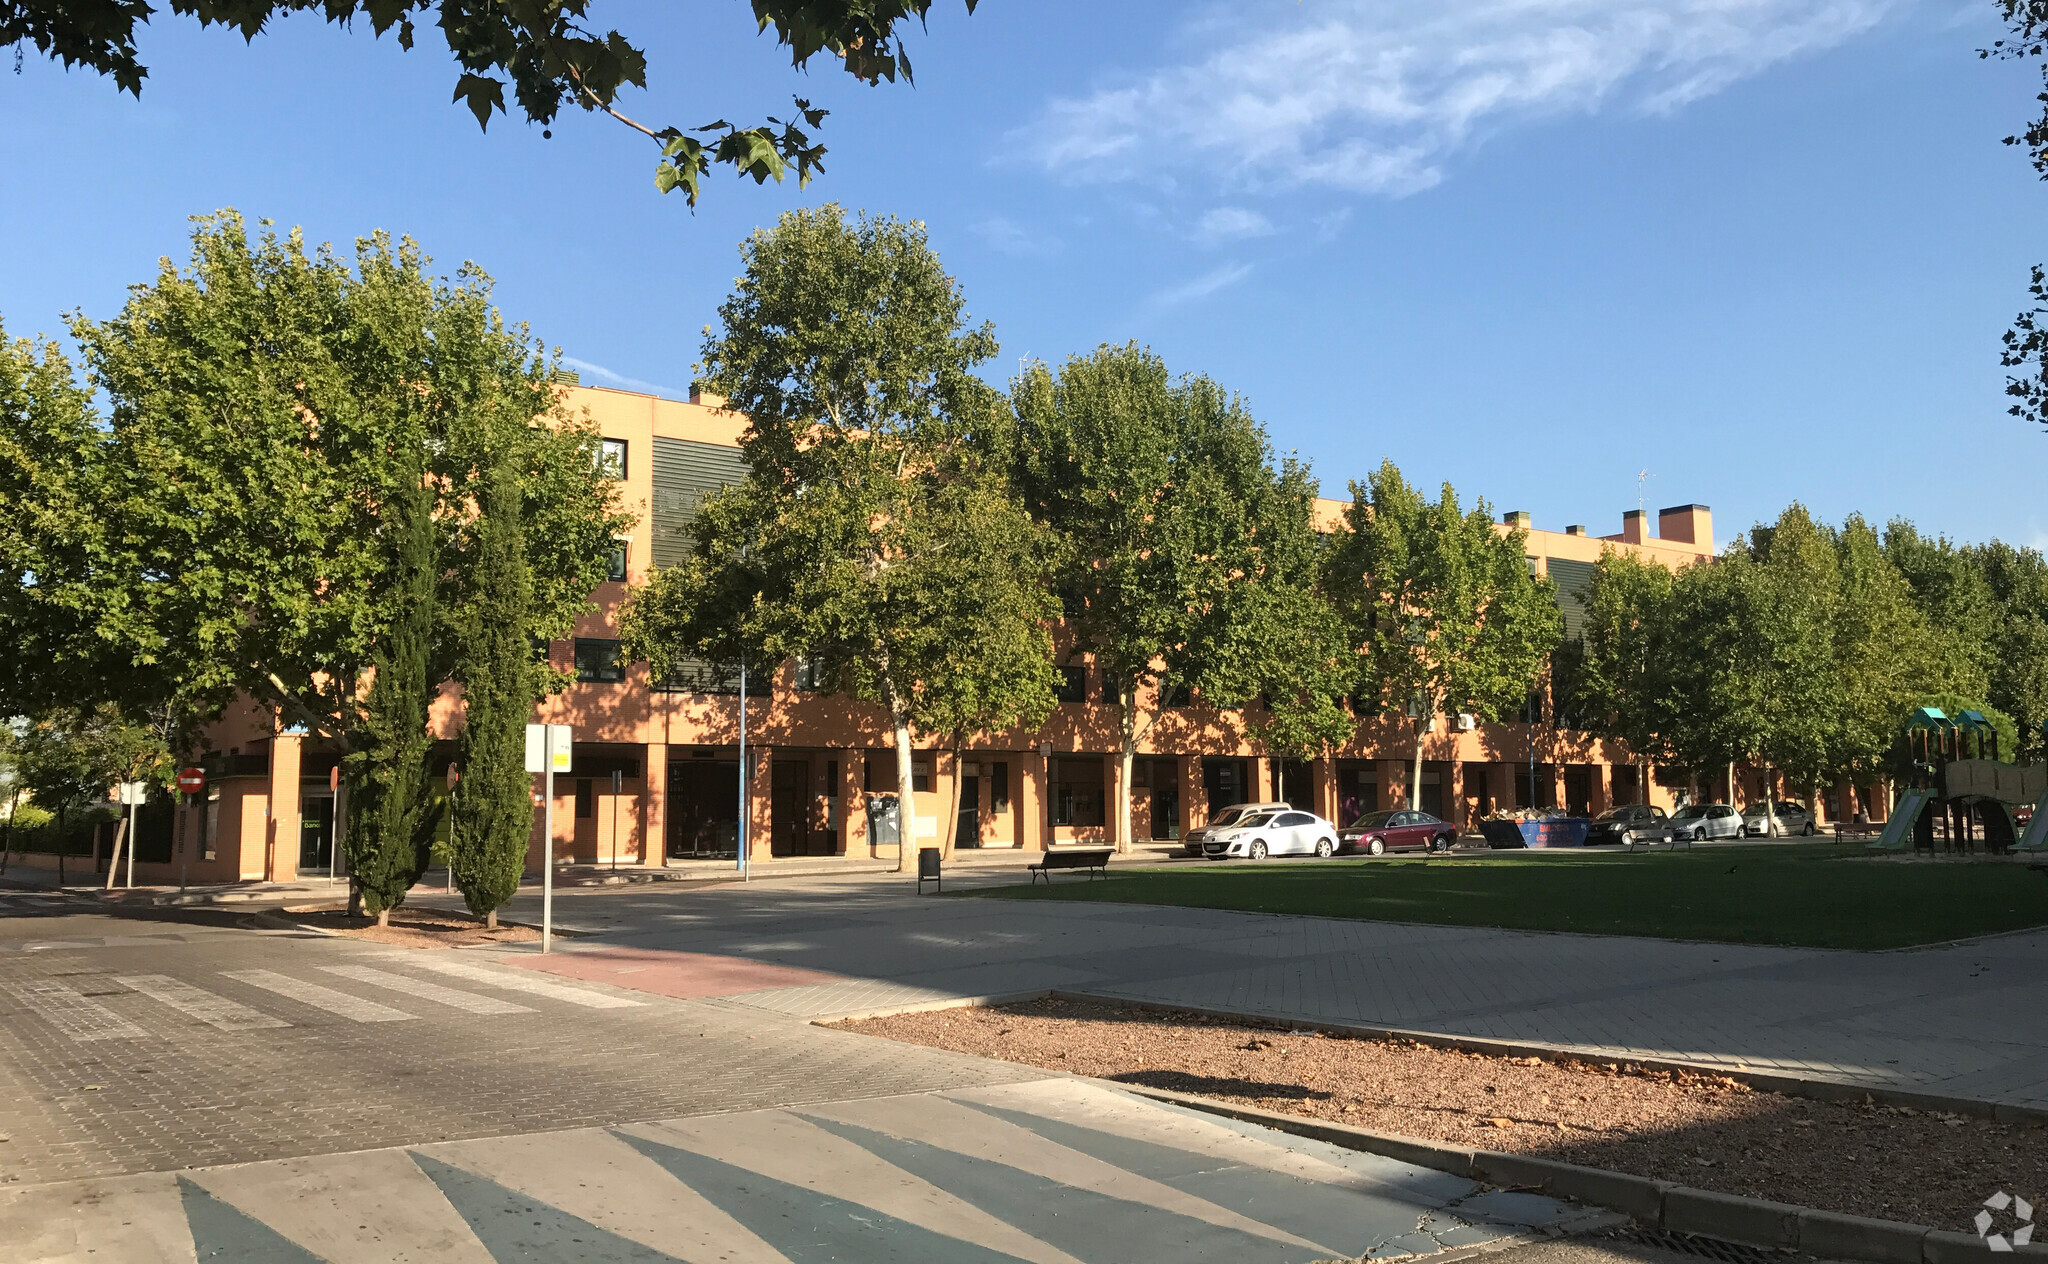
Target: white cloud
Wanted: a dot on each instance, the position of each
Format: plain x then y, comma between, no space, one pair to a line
1007,236
1373,95
1201,287
1231,223
587,369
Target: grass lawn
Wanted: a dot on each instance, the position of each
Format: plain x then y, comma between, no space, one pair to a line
1817,896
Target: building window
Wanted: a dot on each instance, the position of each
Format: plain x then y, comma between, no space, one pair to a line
1075,787
695,675
586,798
999,787
615,563
611,458
1073,685
598,662
809,676
1178,696
921,776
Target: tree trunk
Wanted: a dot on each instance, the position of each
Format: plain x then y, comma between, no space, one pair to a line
952,835
114,860
906,797
1415,771
7,839
1127,759
491,920
63,842
384,917
1770,804
1731,783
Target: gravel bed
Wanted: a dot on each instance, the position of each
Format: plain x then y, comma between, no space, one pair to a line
1707,1131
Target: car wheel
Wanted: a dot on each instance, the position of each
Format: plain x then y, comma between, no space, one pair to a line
1258,849
1808,831
1323,848
1377,847
1699,835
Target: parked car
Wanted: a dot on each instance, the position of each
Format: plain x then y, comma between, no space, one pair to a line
1191,842
1273,832
1630,823
1793,818
1404,829
1706,820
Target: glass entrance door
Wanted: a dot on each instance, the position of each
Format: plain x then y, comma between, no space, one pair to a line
316,833
703,809
967,832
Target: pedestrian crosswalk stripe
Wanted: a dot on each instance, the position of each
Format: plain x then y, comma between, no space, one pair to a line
77,1016
521,981
426,991
214,1011
352,1007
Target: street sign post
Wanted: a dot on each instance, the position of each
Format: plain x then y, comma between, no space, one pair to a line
549,750
133,794
191,780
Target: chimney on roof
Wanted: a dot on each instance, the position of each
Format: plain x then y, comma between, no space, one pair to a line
1635,526
1692,524
565,377
708,399
1575,529
1516,518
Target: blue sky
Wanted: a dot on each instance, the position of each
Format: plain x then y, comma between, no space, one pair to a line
1763,249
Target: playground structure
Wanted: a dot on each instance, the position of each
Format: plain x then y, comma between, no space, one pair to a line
1951,775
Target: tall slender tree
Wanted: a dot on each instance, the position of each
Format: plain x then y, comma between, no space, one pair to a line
492,807
1440,605
393,813
1622,676
1190,553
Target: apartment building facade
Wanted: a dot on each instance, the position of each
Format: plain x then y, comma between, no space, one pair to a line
655,780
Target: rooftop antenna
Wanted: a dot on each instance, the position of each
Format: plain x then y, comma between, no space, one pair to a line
1640,476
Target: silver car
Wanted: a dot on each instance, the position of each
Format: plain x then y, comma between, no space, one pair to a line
1793,818
1282,832
1705,820
1629,823
1191,842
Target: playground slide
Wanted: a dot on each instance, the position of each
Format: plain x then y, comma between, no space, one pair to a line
1898,828
2036,837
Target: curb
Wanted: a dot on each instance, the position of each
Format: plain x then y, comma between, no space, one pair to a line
1785,1085
1658,1204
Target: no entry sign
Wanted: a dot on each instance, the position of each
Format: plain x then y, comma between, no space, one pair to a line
191,780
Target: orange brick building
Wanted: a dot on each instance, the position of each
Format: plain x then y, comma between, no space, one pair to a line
672,750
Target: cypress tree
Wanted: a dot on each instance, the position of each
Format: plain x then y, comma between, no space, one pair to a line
392,812
492,804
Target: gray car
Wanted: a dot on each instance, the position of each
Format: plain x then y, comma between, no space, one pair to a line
1793,818
1705,820
1630,823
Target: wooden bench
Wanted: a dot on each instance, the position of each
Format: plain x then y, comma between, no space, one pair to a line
1095,860
1858,829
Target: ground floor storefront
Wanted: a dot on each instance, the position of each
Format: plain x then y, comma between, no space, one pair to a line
275,812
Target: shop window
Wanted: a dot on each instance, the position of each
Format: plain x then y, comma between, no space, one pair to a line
1073,686
598,662
1075,788
999,787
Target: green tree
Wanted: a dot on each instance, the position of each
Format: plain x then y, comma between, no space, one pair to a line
69,759
1886,654
2018,579
1622,678
875,534
1441,606
1190,560
393,812
543,50
492,805
1960,608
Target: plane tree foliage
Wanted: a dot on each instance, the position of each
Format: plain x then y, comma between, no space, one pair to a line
282,422
1440,608
547,53
1189,553
876,535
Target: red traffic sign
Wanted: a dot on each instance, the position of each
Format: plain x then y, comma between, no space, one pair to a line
191,780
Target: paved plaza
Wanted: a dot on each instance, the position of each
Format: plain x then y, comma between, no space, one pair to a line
188,1085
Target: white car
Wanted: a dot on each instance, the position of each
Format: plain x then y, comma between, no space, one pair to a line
1793,818
1277,832
1192,843
1705,820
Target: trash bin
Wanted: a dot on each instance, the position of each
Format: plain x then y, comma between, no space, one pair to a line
928,869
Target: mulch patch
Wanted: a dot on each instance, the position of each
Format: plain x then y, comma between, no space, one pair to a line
1702,1130
411,927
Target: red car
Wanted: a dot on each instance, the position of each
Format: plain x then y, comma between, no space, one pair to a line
1402,830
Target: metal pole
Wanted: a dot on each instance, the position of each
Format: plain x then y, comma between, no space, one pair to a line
547,865
743,772
134,819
